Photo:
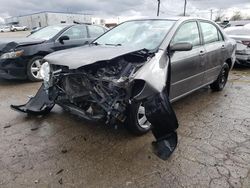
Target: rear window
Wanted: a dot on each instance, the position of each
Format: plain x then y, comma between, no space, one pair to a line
210,32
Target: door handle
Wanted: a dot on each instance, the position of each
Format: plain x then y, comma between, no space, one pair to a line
223,47
202,53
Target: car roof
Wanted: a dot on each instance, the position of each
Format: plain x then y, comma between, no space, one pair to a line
176,18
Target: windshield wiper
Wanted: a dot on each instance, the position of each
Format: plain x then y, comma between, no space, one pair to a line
113,44
96,43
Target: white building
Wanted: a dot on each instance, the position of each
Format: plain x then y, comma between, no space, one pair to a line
42,19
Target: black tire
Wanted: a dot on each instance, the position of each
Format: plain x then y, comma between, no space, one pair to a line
30,75
132,123
221,81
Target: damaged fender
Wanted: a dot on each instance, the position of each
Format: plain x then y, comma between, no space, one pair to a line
157,104
161,115
38,105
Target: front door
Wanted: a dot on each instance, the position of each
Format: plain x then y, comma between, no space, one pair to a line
187,67
77,37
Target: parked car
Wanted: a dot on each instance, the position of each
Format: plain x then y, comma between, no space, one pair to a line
15,28
242,35
21,58
126,75
4,29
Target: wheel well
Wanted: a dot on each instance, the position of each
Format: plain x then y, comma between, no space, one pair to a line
229,62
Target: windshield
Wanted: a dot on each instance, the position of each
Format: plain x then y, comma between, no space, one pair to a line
141,34
242,31
47,32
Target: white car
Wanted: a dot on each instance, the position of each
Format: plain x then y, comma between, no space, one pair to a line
14,28
5,29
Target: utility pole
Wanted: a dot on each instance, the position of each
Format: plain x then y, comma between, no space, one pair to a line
158,9
185,8
211,14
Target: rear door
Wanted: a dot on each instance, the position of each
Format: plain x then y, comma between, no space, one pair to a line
188,66
78,36
215,50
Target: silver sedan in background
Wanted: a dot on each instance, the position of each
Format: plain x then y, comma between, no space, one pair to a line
242,36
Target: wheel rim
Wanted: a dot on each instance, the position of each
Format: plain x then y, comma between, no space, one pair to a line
223,78
142,119
36,69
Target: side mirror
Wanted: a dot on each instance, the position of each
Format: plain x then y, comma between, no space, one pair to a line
63,38
181,46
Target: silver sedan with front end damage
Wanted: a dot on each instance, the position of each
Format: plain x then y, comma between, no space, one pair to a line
132,73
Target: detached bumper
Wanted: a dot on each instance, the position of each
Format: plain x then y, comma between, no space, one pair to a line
38,105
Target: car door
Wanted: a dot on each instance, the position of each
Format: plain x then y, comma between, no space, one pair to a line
215,50
187,67
95,31
77,37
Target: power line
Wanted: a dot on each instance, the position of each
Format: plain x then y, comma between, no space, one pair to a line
185,7
158,9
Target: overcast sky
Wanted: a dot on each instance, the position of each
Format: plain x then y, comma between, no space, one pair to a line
114,8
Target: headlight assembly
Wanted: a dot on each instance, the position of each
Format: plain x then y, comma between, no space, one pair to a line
45,71
12,55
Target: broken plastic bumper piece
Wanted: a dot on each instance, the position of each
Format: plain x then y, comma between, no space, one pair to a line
38,105
164,124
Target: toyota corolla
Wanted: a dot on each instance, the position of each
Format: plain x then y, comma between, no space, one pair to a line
132,73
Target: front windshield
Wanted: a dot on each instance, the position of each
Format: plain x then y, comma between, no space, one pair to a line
47,32
139,34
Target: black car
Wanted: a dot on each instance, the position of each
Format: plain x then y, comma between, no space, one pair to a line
20,58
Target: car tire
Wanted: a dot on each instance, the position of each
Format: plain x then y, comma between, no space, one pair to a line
137,122
221,81
33,69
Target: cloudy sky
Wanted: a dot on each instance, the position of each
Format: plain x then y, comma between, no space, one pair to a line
114,8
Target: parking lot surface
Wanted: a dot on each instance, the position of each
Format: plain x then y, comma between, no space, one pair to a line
61,150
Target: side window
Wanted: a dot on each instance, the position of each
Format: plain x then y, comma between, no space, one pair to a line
95,31
188,32
210,32
76,32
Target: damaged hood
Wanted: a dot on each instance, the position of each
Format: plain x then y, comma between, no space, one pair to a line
77,57
8,44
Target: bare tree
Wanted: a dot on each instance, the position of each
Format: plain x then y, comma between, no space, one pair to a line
237,16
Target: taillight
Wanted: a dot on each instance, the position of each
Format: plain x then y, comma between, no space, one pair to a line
247,43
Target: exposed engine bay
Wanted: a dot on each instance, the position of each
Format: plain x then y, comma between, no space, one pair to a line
102,90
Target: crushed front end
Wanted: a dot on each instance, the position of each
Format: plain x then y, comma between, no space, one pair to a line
104,91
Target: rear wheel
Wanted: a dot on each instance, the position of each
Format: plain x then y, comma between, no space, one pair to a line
137,122
221,81
34,68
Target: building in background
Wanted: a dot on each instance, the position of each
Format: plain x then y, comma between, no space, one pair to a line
43,19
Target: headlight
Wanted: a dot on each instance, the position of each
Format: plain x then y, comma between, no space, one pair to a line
12,55
45,71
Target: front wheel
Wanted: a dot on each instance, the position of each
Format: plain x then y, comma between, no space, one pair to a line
137,122
34,69
221,81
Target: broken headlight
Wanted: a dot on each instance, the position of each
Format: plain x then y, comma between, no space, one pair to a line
12,55
45,71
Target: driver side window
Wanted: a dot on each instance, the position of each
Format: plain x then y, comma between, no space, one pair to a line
188,32
76,32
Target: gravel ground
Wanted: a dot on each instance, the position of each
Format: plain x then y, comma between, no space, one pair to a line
61,150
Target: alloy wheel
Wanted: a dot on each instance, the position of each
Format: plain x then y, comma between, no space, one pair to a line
142,119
